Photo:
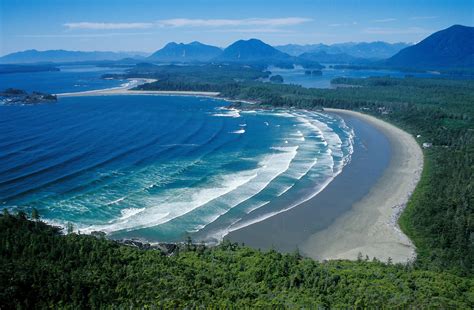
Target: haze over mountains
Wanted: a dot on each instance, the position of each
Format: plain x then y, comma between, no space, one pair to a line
339,58
375,50
449,48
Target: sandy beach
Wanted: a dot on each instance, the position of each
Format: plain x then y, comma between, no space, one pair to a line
371,227
126,90
358,211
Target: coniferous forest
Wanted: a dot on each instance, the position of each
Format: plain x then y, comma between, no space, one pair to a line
41,268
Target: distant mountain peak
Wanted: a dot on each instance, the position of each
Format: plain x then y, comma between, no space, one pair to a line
252,50
190,52
452,47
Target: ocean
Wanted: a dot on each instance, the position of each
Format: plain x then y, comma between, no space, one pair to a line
69,79
158,168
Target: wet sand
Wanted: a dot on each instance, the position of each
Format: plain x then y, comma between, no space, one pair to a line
358,211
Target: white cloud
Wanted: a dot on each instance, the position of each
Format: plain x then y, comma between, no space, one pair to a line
384,20
269,22
342,24
187,22
107,26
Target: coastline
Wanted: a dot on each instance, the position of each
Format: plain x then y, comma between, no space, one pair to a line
351,219
126,90
371,226
368,226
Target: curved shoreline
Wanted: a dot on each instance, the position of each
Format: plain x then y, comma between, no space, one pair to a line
358,211
371,226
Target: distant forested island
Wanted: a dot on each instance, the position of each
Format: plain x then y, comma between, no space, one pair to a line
19,96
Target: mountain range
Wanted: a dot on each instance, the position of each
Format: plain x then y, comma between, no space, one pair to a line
449,48
250,52
367,50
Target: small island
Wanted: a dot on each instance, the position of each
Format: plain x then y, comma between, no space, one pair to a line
276,79
19,96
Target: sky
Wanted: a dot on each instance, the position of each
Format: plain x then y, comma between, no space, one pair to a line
147,25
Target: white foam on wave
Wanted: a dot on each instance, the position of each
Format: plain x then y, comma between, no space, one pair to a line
244,223
240,131
227,112
129,212
333,140
310,152
305,159
271,167
115,201
333,143
232,190
176,203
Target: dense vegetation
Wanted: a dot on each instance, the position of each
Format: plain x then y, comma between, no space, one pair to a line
204,77
19,96
41,268
276,79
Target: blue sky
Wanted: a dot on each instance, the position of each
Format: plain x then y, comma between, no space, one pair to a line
147,25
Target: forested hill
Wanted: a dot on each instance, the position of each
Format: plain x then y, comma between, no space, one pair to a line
41,268
449,48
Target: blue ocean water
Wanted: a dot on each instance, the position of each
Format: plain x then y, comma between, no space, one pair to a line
158,167
297,75
68,79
